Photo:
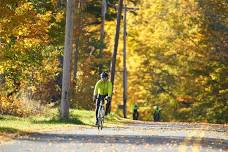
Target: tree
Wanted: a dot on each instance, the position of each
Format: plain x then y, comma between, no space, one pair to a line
113,63
64,111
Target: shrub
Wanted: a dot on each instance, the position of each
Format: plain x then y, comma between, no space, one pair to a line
17,107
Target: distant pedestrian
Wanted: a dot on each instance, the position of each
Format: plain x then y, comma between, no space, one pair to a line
135,112
157,113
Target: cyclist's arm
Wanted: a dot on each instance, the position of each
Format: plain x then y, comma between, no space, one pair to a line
96,89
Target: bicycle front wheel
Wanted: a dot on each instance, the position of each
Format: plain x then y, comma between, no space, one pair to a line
101,126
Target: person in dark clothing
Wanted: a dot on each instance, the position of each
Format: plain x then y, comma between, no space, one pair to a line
157,113
135,112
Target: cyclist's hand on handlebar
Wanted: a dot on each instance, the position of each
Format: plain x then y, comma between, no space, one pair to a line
108,98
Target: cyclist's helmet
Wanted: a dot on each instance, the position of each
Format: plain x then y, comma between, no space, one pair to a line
104,75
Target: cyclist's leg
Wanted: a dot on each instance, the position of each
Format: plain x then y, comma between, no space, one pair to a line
158,116
154,115
107,106
97,107
134,115
137,115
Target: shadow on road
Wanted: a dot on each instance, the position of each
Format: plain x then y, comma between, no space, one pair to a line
125,139
12,130
59,121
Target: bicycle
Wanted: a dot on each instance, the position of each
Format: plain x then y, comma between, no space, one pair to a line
101,114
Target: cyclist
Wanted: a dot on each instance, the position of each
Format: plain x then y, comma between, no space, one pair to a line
103,90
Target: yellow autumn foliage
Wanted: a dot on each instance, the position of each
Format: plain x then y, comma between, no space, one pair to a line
13,106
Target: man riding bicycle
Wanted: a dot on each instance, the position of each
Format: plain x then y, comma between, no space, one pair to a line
103,90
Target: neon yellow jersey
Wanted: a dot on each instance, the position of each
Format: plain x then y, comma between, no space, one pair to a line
103,88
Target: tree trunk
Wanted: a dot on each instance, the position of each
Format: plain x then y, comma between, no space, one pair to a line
124,64
113,63
102,35
60,3
77,42
64,106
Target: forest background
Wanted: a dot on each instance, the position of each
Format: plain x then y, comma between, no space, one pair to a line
176,56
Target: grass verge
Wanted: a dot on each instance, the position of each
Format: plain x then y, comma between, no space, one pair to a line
11,126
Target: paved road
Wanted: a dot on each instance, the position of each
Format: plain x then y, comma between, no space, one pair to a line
135,137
